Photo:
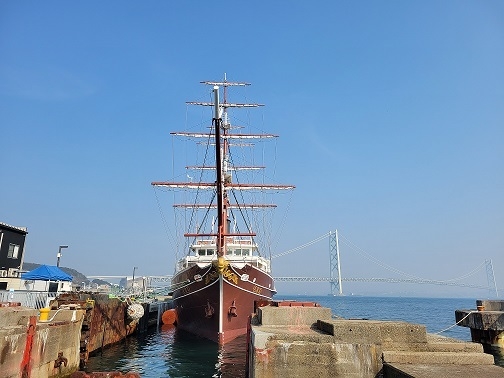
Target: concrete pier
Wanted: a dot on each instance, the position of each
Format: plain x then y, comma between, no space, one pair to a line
32,348
302,341
487,326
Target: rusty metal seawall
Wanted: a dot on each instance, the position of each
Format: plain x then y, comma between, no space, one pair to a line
106,320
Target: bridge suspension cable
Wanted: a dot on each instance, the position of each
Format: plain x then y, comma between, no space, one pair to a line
301,246
400,272
387,280
375,260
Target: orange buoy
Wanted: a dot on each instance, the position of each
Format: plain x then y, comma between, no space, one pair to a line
169,317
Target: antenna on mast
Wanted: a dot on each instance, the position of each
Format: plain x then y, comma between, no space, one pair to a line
216,102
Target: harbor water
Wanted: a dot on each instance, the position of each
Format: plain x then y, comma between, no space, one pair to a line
169,352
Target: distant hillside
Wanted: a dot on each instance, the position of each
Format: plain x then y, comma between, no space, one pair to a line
77,277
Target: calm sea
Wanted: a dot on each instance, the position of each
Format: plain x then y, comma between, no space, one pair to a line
168,352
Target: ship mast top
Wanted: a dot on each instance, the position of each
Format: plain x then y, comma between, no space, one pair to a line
223,138
225,83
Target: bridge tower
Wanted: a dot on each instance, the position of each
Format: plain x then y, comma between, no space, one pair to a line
334,264
492,285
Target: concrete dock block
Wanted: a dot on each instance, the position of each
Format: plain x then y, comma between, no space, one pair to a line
442,371
295,316
260,338
370,331
16,316
284,343
300,359
43,342
459,347
352,331
437,358
437,343
402,332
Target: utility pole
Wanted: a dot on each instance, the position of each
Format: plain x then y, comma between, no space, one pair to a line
133,280
59,253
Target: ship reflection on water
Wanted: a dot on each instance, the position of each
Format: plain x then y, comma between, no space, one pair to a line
171,352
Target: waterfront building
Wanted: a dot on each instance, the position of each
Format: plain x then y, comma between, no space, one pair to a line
12,242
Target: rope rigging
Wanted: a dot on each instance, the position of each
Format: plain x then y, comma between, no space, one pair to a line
194,212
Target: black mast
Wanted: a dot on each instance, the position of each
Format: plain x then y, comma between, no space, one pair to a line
221,217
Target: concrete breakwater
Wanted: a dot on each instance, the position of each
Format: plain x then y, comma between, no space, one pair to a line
293,340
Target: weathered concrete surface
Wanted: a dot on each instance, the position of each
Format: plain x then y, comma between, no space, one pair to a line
39,349
304,352
437,358
437,343
295,316
347,348
369,331
16,316
481,320
442,371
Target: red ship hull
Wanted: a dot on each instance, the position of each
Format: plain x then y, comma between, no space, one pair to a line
216,303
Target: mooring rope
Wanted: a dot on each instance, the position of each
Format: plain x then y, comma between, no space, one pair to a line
453,325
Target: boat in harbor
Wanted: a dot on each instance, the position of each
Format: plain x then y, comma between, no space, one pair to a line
222,270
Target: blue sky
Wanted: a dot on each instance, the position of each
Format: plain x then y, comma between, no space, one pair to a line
390,114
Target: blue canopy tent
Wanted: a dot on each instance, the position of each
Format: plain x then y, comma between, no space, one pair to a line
47,273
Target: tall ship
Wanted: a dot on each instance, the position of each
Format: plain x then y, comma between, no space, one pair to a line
222,270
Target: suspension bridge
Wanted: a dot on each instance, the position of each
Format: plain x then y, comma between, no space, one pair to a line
335,278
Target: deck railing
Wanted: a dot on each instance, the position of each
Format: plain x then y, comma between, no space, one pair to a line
31,299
